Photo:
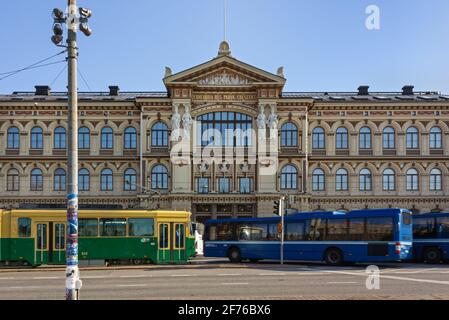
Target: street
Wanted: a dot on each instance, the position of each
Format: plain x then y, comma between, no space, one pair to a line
223,280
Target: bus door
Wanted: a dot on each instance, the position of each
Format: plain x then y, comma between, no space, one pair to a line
57,246
41,242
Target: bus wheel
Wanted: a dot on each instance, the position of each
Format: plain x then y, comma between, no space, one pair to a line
432,255
333,256
234,255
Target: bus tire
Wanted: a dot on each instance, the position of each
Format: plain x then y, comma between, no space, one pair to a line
432,255
234,255
333,257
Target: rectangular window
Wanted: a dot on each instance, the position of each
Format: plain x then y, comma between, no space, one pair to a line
424,228
379,229
224,185
59,236
42,236
113,227
259,232
143,227
179,235
163,236
316,229
211,232
245,185
24,227
202,185
337,230
356,229
443,227
226,232
88,227
294,231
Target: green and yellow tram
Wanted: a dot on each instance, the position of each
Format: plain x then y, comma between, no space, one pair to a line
37,237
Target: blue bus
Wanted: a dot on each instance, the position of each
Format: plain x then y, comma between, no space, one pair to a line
334,237
431,237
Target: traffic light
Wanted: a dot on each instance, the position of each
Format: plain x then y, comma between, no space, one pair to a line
276,207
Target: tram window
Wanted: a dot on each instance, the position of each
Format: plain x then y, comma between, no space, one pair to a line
424,228
443,227
337,229
24,225
379,229
294,231
163,235
60,236
356,229
113,227
141,227
88,227
179,236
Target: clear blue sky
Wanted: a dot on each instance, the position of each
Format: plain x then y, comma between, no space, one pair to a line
323,44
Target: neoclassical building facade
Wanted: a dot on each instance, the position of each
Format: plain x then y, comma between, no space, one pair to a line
329,150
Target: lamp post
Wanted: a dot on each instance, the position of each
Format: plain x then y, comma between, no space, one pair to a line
73,20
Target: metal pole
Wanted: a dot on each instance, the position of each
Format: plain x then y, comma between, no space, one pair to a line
73,283
281,209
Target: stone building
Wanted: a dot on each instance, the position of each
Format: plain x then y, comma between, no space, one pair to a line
333,150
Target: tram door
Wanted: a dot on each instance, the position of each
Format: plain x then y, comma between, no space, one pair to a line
50,243
172,242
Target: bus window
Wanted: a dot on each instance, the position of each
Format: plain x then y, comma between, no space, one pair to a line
24,227
337,230
113,227
244,232
259,232
211,232
315,229
379,229
424,228
88,227
443,227
294,231
356,229
143,227
406,218
273,234
226,232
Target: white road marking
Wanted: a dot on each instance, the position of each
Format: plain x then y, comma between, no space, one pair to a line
7,278
229,274
235,284
31,287
46,278
272,274
343,282
183,275
137,276
131,285
93,277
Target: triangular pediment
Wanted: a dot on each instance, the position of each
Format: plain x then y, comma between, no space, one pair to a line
224,71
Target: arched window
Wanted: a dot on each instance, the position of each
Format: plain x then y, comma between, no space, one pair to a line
289,135
13,180
130,180
435,180
83,180
341,138
365,138
130,138
435,138
365,180
341,180
59,138
159,177
107,138
412,138
59,181
412,180
107,180
36,181
224,129
388,137
318,138
83,138
389,180
36,138
318,183
13,138
289,178
159,135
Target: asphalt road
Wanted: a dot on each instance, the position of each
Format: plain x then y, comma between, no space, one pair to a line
230,282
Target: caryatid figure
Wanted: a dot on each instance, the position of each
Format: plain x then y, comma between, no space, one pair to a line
273,123
187,122
175,124
262,123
